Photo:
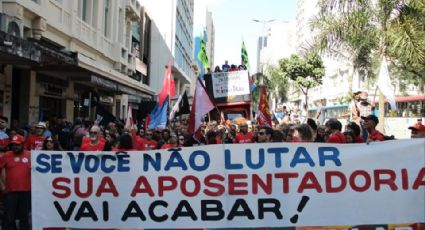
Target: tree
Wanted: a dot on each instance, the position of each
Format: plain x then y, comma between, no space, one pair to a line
305,72
279,82
364,30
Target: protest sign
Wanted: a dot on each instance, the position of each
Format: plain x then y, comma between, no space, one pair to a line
227,84
228,186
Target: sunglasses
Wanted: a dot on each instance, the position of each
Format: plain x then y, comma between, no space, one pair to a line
91,132
148,134
261,133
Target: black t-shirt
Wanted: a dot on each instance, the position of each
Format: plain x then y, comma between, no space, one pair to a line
63,131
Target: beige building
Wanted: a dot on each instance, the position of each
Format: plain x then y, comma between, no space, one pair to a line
56,54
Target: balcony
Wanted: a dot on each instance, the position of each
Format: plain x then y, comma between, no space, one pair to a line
133,9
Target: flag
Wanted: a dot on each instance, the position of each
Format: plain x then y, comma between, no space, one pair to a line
384,84
168,86
264,116
244,55
181,106
146,108
103,116
201,105
175,108
129,123
202,54
158,117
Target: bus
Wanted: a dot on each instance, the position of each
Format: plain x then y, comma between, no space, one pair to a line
409,110
339,111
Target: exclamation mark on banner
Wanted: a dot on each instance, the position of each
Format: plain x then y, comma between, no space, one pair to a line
300,208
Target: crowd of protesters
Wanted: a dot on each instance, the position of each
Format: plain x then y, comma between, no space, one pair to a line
59,134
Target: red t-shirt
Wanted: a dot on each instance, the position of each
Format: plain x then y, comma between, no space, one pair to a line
34,142
359,139
170,146
376,136
18,171
139,142
149,145
338,138
87,146
242,138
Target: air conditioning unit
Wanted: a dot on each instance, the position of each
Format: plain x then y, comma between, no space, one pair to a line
11,25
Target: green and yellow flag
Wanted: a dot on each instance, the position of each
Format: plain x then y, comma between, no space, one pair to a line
244,55
202,54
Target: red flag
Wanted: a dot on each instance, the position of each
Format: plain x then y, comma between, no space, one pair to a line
168,86
264,115
201,105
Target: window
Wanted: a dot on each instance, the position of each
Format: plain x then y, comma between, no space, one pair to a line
107,18
85,9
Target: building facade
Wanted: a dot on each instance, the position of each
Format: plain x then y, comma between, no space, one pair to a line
279,43
71,57
172,41
210,41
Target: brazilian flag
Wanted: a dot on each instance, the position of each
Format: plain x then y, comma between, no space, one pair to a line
202,54
244,55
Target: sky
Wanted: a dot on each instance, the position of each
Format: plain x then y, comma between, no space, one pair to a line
233,22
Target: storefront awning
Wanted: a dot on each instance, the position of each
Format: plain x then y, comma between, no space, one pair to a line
16,50
104,83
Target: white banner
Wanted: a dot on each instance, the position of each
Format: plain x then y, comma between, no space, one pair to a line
225,186
230,83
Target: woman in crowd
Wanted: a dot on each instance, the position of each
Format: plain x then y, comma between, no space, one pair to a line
302,133
125,143
51,145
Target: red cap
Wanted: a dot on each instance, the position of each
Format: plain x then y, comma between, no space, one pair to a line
418,127
17,139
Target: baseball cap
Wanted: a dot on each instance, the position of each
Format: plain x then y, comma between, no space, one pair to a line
418,127
371,117
41,125
17,139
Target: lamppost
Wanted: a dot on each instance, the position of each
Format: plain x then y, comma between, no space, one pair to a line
263,40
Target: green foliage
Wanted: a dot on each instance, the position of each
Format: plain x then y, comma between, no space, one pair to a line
305,72
361,30
279,82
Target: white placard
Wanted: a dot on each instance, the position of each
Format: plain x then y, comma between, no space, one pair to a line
227,84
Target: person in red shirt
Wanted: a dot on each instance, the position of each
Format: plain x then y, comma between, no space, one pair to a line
35,141
17,165
172,142
96,143
150,143
334,127
369,123
243,135
355,128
